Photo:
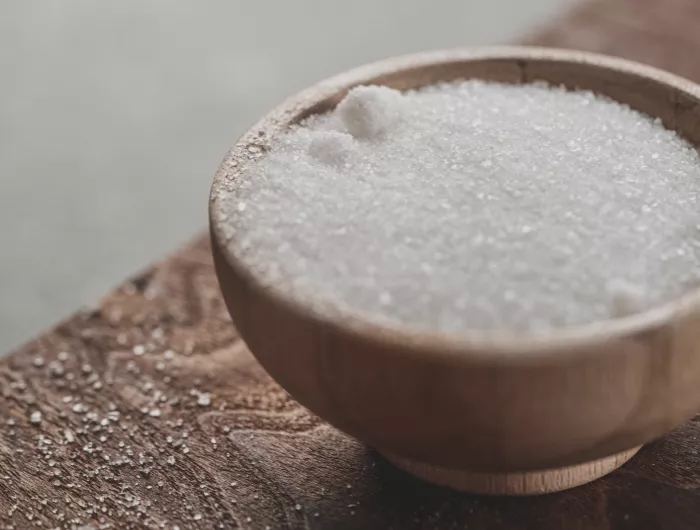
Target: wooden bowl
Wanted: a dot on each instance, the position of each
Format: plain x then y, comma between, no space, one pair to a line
484,412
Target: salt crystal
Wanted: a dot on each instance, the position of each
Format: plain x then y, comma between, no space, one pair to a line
68,435
204,399
473,205
56,369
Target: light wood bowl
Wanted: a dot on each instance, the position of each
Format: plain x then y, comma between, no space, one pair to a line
484,412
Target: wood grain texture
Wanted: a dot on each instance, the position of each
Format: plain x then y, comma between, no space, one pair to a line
515,483
273,464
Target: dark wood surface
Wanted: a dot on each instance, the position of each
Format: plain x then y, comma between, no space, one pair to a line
154,414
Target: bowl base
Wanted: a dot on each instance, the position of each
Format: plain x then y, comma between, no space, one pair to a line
522,483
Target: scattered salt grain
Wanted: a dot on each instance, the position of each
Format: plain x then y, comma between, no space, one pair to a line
35,418
68,435
473,205
56,369
204,399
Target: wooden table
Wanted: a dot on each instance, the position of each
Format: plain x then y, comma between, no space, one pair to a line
149,412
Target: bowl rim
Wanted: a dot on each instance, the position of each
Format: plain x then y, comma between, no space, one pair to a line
489,346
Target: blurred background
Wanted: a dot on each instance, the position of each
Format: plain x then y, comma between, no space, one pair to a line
115,115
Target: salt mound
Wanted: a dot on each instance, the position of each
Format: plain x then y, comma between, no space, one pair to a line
474,205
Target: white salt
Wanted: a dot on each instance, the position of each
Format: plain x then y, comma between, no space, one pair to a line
331,148
367,112
35,418
625,298
473,205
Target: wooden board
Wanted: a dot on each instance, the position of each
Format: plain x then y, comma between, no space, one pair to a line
154,415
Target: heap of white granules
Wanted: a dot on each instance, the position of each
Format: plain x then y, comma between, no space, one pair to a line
473,205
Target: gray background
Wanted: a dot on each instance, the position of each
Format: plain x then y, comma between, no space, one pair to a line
114,116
